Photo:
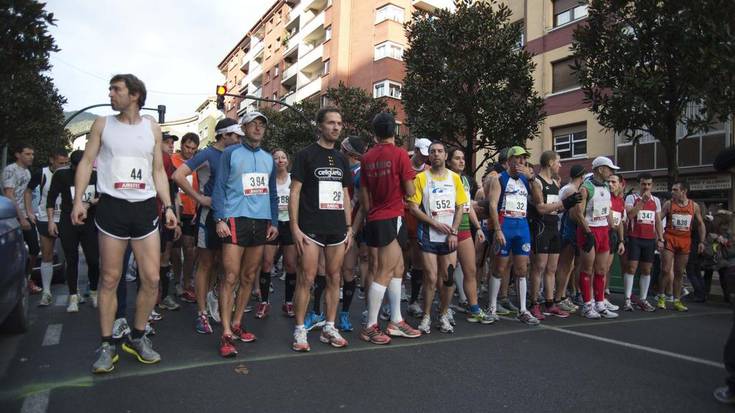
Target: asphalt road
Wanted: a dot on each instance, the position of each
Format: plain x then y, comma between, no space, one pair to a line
662,361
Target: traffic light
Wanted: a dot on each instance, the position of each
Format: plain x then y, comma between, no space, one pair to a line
221,90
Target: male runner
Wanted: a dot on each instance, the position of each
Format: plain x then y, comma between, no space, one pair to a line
418,164
320,213
617,231
168,236
206,164
679,212
386,179
569,250
245,204
130,174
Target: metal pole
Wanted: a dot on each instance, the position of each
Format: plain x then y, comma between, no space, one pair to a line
161,113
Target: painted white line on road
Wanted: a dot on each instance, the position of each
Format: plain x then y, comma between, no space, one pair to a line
36,403
53,335
61,300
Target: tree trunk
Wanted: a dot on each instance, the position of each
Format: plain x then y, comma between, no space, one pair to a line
670,146
469,155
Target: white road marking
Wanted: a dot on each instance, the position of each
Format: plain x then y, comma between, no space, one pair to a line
53,335
36,403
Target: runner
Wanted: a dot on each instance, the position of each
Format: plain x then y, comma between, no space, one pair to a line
319,209
384,183
617,231
58,159
438,204
466,247
569,250
645,235
168,236
675,255
508,198
16,178
418,163
245,204
209,246
62,183
594,218
130,173
185,244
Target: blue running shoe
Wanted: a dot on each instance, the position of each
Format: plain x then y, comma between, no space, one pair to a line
202,324
344,323
314,320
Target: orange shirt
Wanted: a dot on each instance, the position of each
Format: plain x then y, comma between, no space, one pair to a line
189,205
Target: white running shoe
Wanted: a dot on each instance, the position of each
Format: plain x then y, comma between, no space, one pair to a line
46,299
588,311
425,325
445,325
602,310
120,328
73,306
610,306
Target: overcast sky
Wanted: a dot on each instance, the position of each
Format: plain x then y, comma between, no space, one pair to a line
174,46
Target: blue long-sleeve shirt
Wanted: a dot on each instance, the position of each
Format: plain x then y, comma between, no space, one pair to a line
245,185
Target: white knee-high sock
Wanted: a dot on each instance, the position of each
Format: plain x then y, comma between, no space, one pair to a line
374,299
628,281
645,282
47,273
522,291
459,282
494,290
394,297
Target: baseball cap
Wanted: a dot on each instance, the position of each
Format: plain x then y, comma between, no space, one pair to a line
422,144
517,151
725,159
228,125
384,125
603,161
576,171
167,136
251,116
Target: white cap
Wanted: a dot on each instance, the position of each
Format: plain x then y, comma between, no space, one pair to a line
422,144
603,161
251,116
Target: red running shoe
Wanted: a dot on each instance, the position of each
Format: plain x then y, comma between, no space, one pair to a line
227,348
262,310
373,335
240,334
188,296
288,309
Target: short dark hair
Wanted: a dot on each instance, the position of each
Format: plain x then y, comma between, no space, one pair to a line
644,175
547,157
21,146
682,185
134,85
59,152
190,136
323,113
437,143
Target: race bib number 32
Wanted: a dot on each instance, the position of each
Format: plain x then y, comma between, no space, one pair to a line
330,195
254,183
130,172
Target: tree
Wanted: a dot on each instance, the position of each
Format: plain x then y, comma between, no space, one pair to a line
358,109
30,106
468,82
644,64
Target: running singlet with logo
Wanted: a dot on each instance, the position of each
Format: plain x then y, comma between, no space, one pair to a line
385,168
46,175
125,160
438,197
598,204
643,225
323,173
284,194
618,209
679,220
550,194
513,202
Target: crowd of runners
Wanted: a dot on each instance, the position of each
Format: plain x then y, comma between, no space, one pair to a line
343,217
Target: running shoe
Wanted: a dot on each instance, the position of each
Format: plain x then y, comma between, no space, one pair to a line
578,300
213,307
263,309
313,320
46,299
402,329
373,335
287,308
509,305
414,310
492,312
385,312
661,302
628,306
555,310
227,346
527,318
644,305
536,312
168,303
450,317
142,349
106,358
425,325
155,316
94,297
588,311
602,310
188,296
300,342
149,330
120,328
331,336
343,323
239,333
461,307
202,324
73,306
610,306
33,288
573,307
724,395
669,298
480,317
679,306
445,326
566,305
501,310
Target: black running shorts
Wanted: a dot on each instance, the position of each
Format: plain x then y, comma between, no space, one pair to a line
381,233
123,219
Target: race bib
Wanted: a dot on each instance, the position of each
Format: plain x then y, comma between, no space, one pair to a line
88,194
681,222
551,198
441,208
130,172
600,211
283,202
515,205
617,217
466,207
331,196
646,216
254,183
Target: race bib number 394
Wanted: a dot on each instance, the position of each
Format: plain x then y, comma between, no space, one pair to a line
330,195
129,172
254,183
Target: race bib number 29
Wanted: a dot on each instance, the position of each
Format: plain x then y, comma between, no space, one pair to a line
330,195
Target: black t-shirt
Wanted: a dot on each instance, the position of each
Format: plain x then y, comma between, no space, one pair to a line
320,170
62,183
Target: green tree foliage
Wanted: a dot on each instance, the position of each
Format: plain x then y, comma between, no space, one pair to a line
468,82
358,109
30,106
643,63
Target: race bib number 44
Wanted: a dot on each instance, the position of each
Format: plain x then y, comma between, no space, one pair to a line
130,172
254,184
330,195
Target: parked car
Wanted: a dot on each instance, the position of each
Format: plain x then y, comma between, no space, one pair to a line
13,256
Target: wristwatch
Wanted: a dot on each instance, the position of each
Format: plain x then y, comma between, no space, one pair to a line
171,207
454,232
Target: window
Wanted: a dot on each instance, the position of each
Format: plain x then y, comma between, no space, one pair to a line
563,78
566,11
324,101
327,33
268,76
387,88
276,70
570,141
389,12
388,49
326,68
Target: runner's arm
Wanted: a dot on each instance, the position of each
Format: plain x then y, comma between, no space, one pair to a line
84,168
578,211
54,191
28,202
160,180
180,178
220,182
493,196
537,196
700,224
273,192
293,204
10,194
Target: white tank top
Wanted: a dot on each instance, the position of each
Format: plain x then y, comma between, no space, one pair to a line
598,207
125,160
284,194
46,175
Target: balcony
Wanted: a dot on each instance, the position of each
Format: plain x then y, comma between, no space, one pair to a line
256,47
431,5
311,55
290,73
315,86
311,25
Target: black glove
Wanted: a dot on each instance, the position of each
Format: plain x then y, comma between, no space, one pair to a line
589,241
572,200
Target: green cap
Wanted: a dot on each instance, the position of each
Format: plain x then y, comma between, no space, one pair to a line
517,151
